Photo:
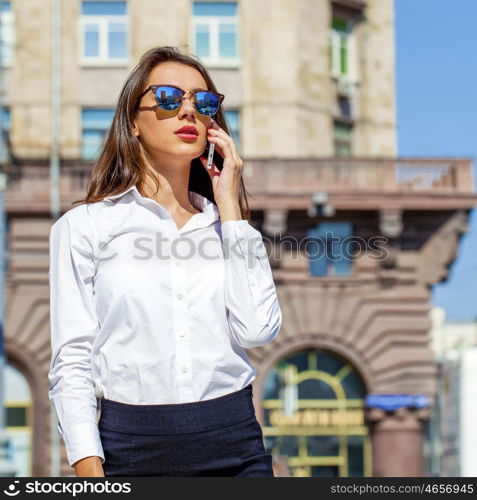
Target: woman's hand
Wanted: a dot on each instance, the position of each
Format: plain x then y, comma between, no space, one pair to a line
89,467
225,182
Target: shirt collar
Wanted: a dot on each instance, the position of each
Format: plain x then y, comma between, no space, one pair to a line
208,208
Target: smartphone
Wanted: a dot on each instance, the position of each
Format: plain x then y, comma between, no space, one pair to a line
211,155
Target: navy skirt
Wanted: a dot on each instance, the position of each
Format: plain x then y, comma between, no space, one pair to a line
218,437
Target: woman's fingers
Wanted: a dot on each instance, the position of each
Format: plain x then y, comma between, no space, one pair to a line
227,150
213,169
217,131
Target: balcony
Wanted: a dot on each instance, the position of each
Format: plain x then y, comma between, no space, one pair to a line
348,183
366,183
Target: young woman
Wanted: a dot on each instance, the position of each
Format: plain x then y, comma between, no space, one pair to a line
158,284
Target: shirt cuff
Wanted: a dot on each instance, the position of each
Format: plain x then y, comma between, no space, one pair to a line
82,440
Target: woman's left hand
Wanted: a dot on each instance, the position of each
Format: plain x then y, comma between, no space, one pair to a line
225,182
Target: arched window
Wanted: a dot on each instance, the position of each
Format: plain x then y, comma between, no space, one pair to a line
18,412
314,415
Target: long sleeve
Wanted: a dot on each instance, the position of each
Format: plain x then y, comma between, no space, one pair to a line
73,328
254,314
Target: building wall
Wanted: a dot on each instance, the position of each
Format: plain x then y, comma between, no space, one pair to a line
376,130
454,346
28,81
283,86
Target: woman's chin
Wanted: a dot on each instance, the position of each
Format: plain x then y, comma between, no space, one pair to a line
192,150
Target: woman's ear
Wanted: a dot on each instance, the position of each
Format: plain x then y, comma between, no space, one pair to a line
135,129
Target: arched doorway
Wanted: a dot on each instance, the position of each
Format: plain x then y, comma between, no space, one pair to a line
313,402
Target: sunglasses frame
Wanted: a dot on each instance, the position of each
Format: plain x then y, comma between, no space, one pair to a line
153,89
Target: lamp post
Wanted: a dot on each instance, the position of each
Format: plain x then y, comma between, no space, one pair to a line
7,469
54,182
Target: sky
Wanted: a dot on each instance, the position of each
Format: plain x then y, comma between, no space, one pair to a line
436,99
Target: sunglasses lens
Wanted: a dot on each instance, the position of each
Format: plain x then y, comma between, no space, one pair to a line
168,98
207,103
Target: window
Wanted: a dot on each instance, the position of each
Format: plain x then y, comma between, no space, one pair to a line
232,118
104,33
18,404
330,249
6,33
343,138
342,49
95,127
5,130
214,33
313,415
5,117
344,106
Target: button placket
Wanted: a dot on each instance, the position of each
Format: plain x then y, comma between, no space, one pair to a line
180,328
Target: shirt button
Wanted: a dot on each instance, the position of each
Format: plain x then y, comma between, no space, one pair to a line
183,369
252,283
181,334
179,296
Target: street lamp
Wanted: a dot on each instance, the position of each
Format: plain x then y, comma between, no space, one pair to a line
7,469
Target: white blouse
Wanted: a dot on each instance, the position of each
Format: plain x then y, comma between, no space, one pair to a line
145,313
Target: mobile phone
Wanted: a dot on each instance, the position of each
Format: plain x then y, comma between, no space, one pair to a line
211,155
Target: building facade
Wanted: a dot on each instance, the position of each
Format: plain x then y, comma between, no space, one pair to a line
455,348
310,101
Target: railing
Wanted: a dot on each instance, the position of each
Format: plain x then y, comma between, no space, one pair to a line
359,174
29,184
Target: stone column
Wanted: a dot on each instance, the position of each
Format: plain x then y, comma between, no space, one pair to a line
397,441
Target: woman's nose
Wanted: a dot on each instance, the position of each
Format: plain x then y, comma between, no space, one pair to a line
187,106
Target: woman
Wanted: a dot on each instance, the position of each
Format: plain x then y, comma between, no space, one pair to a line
158,285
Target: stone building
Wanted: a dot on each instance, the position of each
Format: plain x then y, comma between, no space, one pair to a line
310,100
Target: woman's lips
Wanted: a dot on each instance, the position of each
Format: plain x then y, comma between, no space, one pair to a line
184,135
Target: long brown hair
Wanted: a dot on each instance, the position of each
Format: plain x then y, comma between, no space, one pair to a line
120,163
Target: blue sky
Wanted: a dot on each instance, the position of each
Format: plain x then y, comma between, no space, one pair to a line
436,97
